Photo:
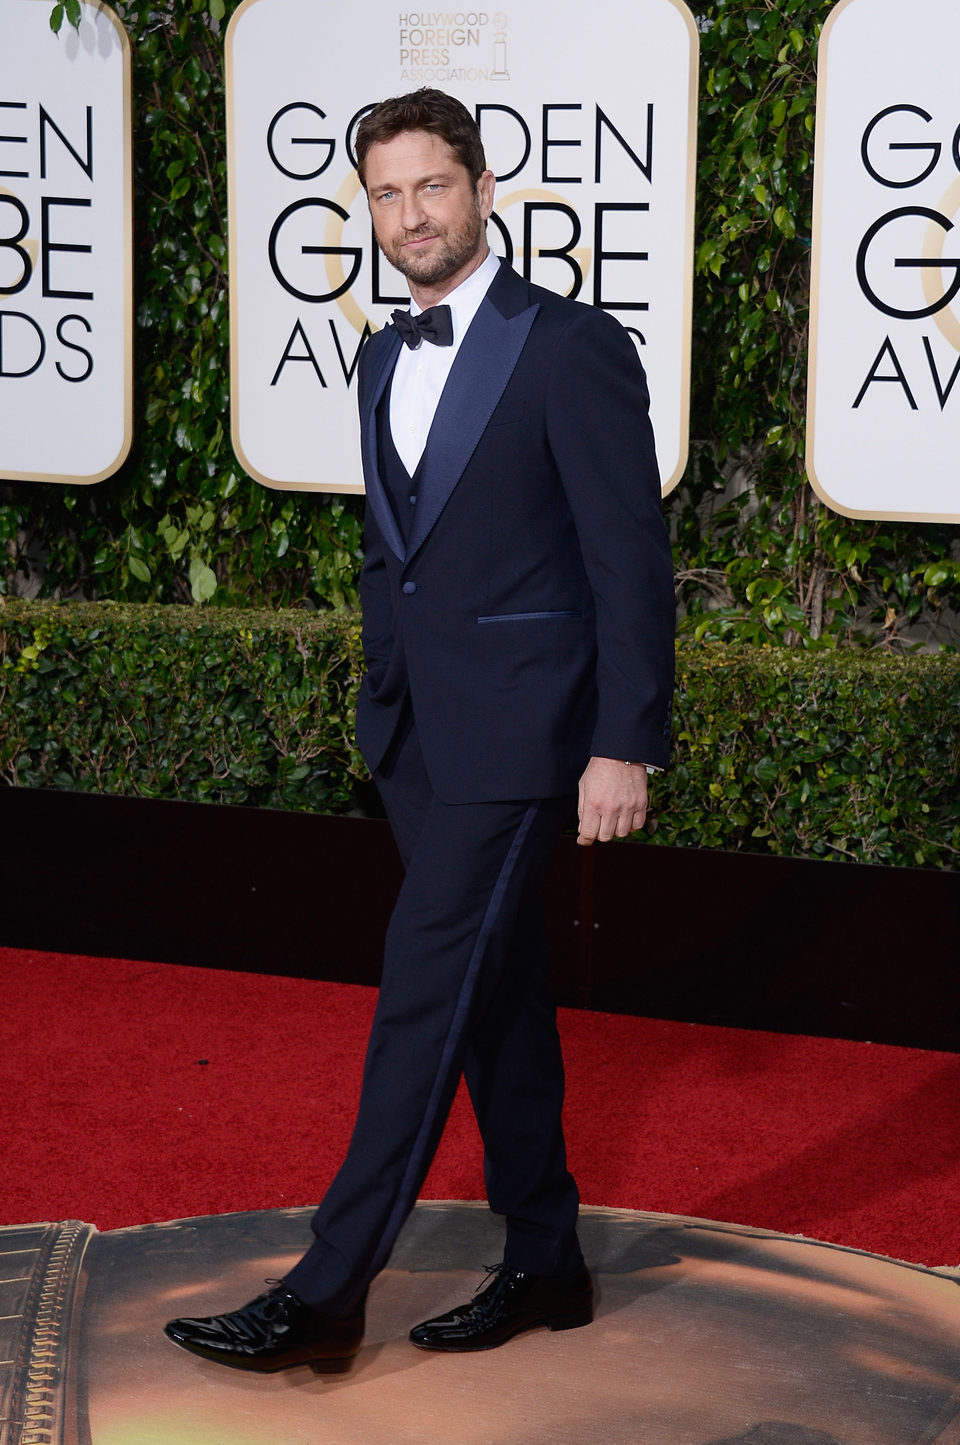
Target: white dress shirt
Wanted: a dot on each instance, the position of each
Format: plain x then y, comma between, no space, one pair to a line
420,376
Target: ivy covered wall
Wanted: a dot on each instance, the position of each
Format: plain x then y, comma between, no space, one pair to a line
758,557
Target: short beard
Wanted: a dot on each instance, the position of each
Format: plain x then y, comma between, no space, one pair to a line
458,248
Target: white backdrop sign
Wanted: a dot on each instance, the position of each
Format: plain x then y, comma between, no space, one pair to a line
588,120
883,435
65,254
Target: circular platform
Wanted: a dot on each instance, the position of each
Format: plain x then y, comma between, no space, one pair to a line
706,1334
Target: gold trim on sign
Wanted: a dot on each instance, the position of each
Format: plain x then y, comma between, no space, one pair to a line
354,315
353,488
686,311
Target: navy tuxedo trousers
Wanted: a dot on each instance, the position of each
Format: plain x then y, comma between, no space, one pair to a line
464,990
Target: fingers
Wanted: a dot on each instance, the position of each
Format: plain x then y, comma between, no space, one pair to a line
601,827
631,822
612,800
589,820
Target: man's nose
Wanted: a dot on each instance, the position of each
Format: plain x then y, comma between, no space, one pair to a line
413,214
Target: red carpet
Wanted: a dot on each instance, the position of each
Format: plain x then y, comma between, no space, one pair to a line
136,1091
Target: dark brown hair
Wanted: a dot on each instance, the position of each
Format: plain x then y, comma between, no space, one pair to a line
429,110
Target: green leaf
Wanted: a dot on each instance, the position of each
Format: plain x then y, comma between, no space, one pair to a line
203,580
139,568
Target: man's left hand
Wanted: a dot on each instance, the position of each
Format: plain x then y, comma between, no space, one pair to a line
613,800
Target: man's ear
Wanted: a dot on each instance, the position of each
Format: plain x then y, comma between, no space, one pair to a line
485,189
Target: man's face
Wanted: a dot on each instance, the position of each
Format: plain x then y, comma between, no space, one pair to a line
428,215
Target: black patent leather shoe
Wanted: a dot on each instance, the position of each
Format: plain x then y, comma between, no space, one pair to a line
511,1302
272,1332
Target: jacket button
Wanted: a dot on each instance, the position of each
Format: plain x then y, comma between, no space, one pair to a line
409,588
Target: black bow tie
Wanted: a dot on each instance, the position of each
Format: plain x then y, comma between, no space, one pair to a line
434,324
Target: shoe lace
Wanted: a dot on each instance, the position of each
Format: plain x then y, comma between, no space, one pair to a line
277,1307
494,1271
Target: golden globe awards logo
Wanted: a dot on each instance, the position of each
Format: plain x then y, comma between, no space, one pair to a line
903,268
535,224
23,343
594,199
65,289
884,413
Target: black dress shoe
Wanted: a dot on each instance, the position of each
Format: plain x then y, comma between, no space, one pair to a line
270,1333
513,1301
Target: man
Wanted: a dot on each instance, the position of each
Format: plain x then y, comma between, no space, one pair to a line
518,635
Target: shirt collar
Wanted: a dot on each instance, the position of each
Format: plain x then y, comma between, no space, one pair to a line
464,300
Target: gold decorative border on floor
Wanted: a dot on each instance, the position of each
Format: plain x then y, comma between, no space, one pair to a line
40,1277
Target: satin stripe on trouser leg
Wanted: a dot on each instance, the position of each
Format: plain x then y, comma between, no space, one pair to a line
469,870
514,1071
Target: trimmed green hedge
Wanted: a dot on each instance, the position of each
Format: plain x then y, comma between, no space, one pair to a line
224,706
833,754
824,754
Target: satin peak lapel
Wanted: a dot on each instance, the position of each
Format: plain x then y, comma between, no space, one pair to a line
376,494
478,378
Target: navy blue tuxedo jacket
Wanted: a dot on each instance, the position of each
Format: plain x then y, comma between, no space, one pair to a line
530,616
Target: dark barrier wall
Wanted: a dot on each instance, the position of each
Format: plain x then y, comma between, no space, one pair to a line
838,949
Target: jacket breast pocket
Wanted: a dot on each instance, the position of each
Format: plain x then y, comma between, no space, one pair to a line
531,617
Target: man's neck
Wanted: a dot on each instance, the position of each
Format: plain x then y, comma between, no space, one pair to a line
426,296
